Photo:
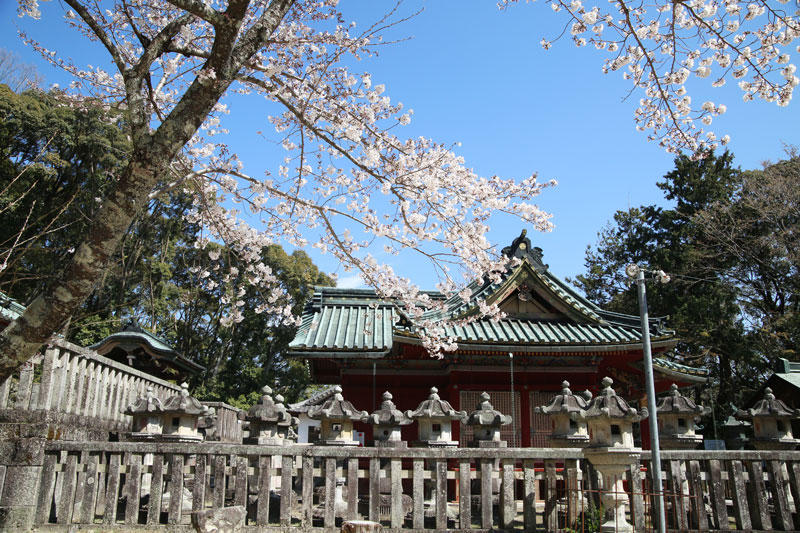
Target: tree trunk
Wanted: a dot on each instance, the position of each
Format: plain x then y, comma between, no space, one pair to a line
49,311
152,154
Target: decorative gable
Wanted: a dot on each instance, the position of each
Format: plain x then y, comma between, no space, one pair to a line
525,302
529,291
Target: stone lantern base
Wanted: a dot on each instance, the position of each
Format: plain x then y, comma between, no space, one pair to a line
181,438
391,444
144,437
267,441
488,444
339,443
775,444
681,442
569,441
435,443
611,463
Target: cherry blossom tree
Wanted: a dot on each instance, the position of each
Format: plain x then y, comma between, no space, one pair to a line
349,182
660,45
347,178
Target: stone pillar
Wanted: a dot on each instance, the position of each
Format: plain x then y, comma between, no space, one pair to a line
23,459
612,467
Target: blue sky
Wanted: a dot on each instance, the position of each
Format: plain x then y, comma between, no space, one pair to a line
476,75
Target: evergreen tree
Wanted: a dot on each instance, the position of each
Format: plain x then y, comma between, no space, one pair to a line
54,151
700,300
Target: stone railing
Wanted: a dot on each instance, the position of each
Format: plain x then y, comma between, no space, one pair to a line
116,486
76,392
305,487
61,485
729,490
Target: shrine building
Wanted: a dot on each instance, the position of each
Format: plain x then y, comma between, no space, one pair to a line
366,344
145,351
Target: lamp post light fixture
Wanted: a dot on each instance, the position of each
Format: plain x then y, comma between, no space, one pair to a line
636,272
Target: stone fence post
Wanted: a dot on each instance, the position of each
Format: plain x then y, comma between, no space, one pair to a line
22,460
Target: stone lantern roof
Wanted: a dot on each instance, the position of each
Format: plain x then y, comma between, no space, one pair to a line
148,403
566,402
336,408
486,415
770,407
678,404
388,414
270,410
182,403
435,407
610,406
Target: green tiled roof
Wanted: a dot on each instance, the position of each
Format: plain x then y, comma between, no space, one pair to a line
136,335
10,309
371,326
346,320
527,331
788,371
666,364
792,379
484,290
344,323
347,327
357,321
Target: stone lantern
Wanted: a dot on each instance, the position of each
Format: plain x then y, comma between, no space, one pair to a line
386,423
147,417
610,419
737,433
772,423
611,450
677,415
180,416
270,421
486,422
569,429
434,417
337,416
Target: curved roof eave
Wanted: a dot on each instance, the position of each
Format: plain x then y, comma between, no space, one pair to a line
551,348
158,349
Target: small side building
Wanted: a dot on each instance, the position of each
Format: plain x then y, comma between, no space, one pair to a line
141,349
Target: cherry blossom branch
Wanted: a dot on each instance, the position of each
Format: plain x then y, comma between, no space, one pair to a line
200,9
99,32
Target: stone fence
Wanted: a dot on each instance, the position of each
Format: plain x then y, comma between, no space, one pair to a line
228,427
76,392
73,393
120,486
726,490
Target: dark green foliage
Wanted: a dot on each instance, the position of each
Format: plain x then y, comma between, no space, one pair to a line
702,301
55,161
245,356
758,229
589,520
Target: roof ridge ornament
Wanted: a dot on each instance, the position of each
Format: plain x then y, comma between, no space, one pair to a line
521,248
